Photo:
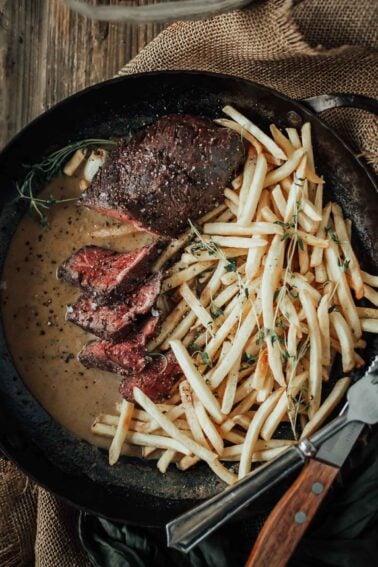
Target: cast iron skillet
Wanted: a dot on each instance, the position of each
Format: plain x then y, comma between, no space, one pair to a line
134,491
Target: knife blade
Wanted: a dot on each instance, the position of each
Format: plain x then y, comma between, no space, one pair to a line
192,527
336,449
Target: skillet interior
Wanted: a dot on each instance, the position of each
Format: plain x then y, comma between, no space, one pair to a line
135,491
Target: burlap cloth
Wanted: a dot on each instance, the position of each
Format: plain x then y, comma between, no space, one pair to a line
315,47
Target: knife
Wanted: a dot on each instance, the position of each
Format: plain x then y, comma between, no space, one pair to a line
192,527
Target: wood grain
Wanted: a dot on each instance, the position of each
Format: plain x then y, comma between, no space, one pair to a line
292,516
48,52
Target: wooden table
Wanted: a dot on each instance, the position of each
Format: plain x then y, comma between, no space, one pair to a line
48,52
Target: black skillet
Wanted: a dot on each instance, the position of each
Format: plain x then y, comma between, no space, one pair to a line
134,491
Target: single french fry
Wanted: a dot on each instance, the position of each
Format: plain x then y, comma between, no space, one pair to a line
232,196
367,312
191,416
184,276
303,258
120,435
253,432
317,255
234,229
294,138
327,407
276,175
315,376
165,460
299,282
208,427
371,294
74,162
369,325
266,389
320,273
281,140
337,275
232,207
310,210
345,338
265,140
169,324
223,473
242,131
307,142
224,330
241,337
230,389
323,319
248,209
196,381
143,439
261,370
237,182
276,416
369,279
346,247
279,200
272,271
196,307
236,242
248,171
296,190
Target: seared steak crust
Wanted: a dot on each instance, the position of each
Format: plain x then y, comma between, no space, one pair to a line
114,321
106,274
173,170
122,358
156,380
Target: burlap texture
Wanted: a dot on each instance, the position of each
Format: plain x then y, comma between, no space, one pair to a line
282,47
314,48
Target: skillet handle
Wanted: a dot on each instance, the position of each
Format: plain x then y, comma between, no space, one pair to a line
324,102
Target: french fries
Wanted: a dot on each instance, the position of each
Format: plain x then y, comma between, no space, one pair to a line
121,432
260,296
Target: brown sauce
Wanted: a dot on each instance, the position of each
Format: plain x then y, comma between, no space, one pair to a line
43,345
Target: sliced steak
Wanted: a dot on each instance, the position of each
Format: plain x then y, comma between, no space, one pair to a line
172,170
122,358
105,273
114,321
156,380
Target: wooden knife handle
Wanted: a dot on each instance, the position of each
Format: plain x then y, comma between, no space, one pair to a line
292,515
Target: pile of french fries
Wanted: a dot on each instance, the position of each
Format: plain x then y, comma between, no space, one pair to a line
263,293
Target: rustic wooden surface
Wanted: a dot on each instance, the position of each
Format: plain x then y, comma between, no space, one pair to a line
48,52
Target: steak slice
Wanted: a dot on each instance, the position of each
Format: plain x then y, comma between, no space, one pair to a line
113,322
156,380
120,358
107,274
173,170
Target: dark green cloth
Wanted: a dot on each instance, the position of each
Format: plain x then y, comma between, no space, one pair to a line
344,533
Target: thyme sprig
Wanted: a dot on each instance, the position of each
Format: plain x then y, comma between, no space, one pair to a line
45,170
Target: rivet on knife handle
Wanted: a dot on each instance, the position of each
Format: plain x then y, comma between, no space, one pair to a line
291,517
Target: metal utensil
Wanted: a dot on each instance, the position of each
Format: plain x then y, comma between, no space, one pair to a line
157,13
294,512
191,528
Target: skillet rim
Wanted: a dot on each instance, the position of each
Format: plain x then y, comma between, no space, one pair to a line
300,105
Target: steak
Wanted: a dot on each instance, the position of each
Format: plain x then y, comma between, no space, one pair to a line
156,380
113,322
121,358
173,170
107,274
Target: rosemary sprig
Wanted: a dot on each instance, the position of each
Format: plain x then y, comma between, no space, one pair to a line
44,171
